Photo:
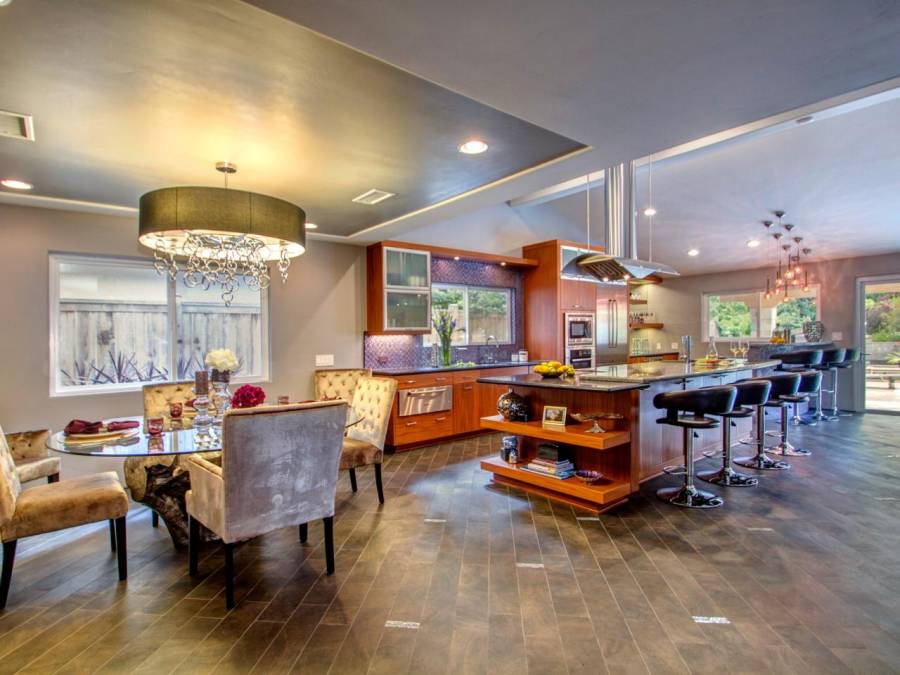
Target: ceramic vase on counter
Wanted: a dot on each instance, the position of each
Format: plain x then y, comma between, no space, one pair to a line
512,407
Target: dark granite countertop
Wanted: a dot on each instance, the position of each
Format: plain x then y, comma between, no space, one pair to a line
660,353
444,369
535,380
619,377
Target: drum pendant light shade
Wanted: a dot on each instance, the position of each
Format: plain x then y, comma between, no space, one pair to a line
169,214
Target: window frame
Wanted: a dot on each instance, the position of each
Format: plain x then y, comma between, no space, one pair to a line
57,390
760,296
427,338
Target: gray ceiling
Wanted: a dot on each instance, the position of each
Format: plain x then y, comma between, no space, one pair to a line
627,78
130,96
837,179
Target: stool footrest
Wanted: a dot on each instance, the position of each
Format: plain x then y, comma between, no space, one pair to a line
675,470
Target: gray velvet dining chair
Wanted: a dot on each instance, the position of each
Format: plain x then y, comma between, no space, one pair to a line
279,468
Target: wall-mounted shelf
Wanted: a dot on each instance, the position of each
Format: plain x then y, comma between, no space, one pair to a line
639,326
636,301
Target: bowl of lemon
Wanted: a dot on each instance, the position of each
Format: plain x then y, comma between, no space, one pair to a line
553,369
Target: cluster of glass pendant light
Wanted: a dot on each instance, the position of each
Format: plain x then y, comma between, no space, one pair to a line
790,271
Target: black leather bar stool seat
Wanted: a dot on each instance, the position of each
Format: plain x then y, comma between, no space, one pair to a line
800,360
810,383
697,403
783,384
830,360
749,393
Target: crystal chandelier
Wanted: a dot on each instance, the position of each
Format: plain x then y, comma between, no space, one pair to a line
221,237
793,270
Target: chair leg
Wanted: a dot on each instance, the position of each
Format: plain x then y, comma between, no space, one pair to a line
378,483
122,548
229,576
329,544
193,545
154,519
9,557
53,477
304,532
353,479
112,535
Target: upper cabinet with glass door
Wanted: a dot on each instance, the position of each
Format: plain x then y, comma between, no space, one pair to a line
399,290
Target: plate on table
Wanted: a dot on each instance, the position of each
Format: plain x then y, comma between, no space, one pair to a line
101,436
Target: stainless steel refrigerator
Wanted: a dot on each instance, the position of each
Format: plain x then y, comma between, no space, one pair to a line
612,324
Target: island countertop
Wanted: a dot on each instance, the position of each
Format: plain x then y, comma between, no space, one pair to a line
622,376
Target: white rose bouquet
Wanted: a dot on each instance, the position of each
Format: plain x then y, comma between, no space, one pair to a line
223,360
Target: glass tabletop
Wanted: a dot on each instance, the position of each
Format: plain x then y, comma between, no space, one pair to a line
180,440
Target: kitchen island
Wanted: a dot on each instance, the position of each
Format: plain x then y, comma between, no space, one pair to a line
631,449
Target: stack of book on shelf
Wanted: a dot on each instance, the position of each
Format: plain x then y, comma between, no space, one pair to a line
551,461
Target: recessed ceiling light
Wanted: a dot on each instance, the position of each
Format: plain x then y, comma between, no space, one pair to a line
12,183
693,252
4,3
805,119
753,243
649,211
456,257
473,147
312,226
503,264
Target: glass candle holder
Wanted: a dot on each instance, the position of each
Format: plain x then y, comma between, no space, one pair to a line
155,426
284,400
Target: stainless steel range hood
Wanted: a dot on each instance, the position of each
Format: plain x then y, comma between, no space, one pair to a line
617,264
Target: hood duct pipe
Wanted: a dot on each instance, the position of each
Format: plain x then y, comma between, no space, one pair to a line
618,263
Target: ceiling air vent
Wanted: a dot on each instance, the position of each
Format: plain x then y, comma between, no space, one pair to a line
16,125
373,196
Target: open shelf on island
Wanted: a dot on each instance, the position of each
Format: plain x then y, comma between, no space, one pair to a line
573,434
571,490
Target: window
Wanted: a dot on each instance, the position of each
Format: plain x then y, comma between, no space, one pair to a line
479,313
117,324
750,315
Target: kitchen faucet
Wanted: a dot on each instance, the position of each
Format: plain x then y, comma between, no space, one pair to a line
489,358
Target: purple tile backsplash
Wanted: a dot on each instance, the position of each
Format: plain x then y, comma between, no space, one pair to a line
408,351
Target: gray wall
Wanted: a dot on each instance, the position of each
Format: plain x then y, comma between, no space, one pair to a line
677,302
320,310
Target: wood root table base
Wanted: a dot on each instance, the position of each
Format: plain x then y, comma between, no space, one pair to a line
591,507
166,487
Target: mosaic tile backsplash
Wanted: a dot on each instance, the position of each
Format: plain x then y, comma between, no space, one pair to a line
409,351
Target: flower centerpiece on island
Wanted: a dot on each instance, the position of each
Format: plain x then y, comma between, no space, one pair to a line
444,325
248,396
222,362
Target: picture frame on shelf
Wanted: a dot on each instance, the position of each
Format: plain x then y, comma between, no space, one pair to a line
554,417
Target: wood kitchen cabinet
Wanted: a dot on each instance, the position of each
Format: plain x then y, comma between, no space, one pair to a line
398,299
471,401
578,295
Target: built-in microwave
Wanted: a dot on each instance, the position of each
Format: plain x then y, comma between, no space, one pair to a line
579,327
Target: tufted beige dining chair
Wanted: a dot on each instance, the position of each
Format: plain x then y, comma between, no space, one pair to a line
157,397
279,467
364,442
56,506
338,382
29,452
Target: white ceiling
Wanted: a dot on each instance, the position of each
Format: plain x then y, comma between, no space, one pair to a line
627,78
837,179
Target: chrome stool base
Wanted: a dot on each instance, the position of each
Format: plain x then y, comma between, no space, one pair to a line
788,450
762,463
728,478
690,497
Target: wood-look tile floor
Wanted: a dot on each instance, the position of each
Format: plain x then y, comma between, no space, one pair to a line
481,579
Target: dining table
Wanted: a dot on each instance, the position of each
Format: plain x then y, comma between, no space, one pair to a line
160,459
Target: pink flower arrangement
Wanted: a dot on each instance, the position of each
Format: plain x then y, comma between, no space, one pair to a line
248,396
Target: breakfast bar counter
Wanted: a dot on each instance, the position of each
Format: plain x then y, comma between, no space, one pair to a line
631,448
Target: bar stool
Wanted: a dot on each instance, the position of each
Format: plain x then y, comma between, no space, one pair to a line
749,393
796,362
851,355
783,384
810,383
698,402
830,359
